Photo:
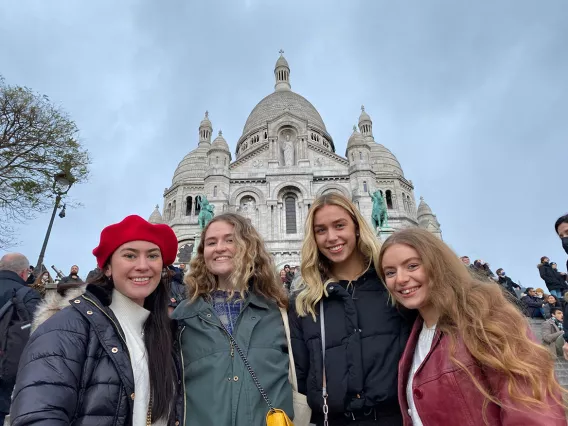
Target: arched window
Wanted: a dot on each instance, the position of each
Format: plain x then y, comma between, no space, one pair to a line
409,202
290,209
389,199
217,160
174,208
225,163
353,157
197,205
365,189
188,205
215,191
168,211
360,156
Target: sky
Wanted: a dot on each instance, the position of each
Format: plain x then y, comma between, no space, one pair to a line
472,98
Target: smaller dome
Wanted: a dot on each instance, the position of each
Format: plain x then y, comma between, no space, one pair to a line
193,165
206,122
355,139
156,216
220,143
281,62
423,208
364,116
384,159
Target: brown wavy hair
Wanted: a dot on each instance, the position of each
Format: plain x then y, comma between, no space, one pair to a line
253,266
492,328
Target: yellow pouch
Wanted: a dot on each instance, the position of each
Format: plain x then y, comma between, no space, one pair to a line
277,417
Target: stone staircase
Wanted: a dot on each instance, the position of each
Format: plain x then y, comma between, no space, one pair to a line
561,363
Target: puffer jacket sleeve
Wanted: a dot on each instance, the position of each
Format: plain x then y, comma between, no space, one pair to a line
299,348
49,375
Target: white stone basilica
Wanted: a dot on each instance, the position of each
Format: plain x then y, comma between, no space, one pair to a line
284,160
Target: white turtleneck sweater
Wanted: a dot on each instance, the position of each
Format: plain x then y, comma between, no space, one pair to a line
132,317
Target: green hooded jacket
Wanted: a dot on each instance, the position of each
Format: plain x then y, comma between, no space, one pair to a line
218,388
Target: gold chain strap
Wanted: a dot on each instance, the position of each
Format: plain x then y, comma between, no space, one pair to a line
149,413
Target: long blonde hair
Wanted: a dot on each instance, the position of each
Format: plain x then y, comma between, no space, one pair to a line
315,267
253,267
478,313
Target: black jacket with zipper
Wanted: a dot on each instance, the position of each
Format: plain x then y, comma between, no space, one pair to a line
76,369
365,338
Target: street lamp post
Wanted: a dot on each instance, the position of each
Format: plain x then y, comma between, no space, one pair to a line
62,182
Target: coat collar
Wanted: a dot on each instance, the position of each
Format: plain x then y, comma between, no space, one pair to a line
188,308
11,276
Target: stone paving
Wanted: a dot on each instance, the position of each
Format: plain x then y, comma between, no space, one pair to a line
561,363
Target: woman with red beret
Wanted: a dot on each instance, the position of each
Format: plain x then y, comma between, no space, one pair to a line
107,359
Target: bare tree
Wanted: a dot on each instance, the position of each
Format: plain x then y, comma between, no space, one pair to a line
37,141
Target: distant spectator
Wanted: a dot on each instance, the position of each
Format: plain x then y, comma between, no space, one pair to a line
465,260
560,277
289,276
549,277
507,282
177,288
283,277
14,270
539,293
482,269
32,277
533,305
73,276
552,333
551,303
561,228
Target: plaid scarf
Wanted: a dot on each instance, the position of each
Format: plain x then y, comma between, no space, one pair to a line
227,308
558,324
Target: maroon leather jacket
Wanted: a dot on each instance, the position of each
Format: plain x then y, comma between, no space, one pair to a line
445,395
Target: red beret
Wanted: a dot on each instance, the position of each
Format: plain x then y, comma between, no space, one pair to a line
134,228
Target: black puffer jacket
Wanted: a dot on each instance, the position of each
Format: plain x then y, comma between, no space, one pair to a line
549,277
365,338
76,369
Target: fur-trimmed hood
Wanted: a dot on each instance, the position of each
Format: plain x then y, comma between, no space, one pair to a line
53,303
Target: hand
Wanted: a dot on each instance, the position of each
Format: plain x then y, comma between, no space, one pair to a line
565,350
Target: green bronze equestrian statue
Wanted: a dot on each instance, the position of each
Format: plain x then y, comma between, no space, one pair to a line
379,216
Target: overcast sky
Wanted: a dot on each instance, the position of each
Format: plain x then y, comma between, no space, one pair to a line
472,98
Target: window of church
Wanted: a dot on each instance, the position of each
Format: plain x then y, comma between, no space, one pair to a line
188,205
197,205
174,208
290,210
389,199
360,156
225,162
217,160
168,211
215,191
365,189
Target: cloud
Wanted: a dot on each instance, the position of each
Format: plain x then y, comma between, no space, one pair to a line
470,97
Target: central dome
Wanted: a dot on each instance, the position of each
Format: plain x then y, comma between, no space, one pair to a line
276,104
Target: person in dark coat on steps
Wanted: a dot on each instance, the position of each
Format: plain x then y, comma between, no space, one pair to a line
14,270
507,282
107,359
364,334
549,277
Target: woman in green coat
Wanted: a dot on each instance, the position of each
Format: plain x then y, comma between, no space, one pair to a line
233,291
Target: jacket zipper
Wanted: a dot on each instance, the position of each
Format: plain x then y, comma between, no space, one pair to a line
182,374
109,317
224,331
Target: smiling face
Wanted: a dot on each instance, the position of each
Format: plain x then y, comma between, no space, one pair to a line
136,269
551,299
406,277
219,249
335,235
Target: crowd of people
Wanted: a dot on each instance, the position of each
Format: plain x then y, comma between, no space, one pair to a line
373,334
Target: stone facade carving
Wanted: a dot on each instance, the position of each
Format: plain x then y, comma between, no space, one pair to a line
285,158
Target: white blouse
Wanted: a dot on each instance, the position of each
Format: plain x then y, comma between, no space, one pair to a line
420,352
